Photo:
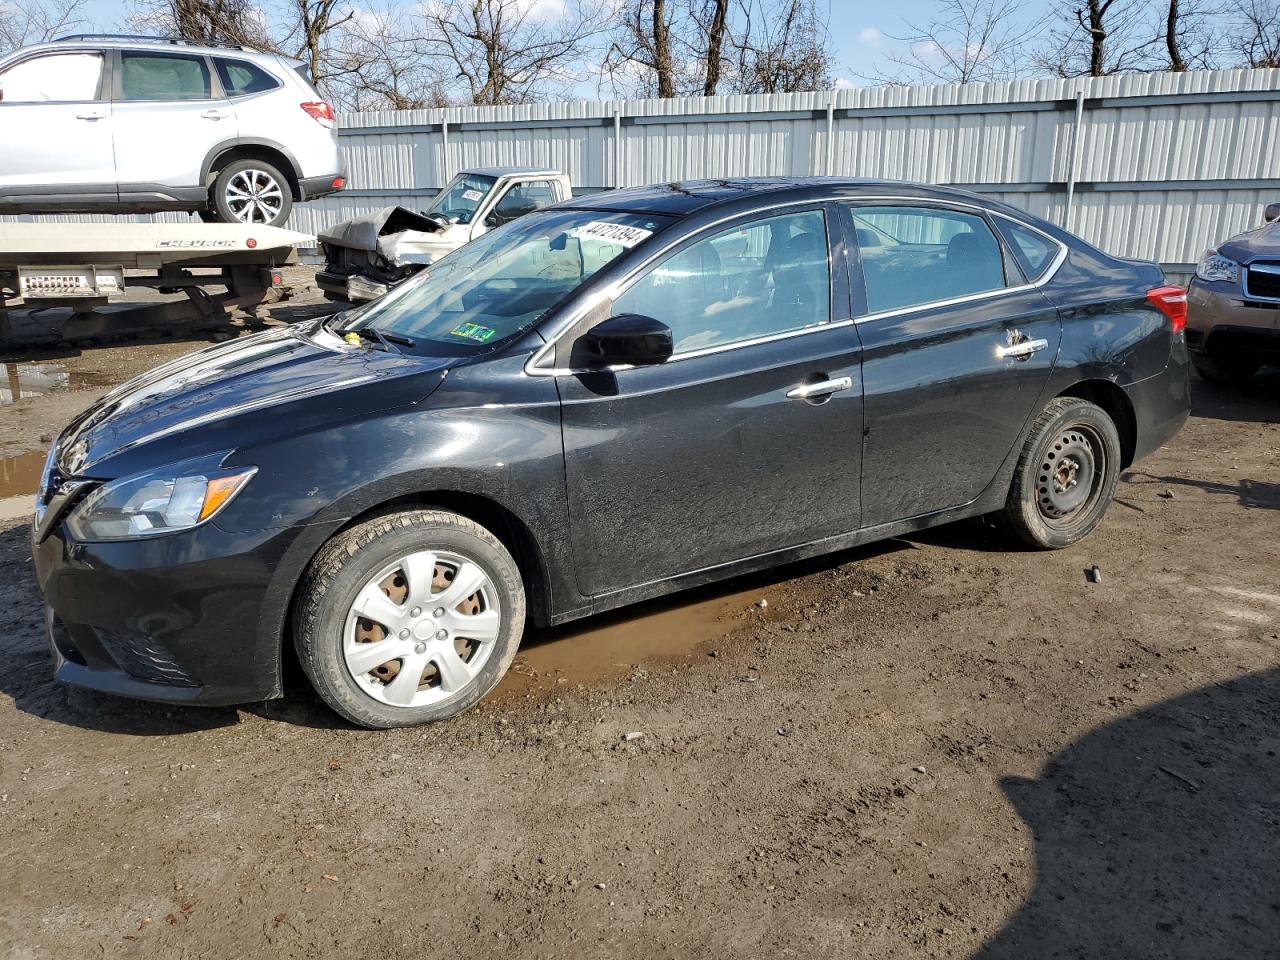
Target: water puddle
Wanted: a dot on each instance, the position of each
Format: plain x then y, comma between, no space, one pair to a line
20,381
610,645
19,478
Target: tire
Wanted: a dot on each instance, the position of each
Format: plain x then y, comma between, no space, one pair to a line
1234,371
1045,508
270,195
371,569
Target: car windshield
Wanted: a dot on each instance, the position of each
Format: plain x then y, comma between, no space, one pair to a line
501,283
458,202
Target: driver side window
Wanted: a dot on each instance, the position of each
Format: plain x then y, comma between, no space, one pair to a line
752,280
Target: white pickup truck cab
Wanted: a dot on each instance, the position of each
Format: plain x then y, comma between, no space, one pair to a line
366,256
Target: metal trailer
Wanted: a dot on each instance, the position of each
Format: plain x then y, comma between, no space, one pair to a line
57,279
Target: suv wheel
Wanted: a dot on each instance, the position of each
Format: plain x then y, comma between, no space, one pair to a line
251,191
1223,370
1066,475
409,617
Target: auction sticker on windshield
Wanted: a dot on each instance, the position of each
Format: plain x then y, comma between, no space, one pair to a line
471,195
617,233
473,331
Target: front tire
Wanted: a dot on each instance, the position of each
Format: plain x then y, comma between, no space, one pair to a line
408,618
1066,475
251,192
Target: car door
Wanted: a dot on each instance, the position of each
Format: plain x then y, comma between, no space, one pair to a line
747,440
169,115
57,127
958,347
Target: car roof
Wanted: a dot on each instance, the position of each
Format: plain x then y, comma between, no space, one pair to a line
112,41
511,171
690,196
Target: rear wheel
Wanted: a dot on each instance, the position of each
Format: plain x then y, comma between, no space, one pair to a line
253,192
1226,370
1066,475
409,617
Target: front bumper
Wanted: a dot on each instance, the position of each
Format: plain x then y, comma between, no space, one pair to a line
1222,322
351,286
194,617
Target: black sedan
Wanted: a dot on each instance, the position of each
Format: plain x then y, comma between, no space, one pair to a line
608,400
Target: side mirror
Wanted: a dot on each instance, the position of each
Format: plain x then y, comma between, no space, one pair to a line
1272,212
629,338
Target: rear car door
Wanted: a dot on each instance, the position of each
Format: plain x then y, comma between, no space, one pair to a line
169,114
713,455
958,346
57,127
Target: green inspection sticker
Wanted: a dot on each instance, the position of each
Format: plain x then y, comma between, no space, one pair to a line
473,331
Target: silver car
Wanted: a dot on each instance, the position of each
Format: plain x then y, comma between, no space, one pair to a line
109,124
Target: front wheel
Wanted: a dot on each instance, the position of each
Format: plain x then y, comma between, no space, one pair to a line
409,617
252,192
1066,475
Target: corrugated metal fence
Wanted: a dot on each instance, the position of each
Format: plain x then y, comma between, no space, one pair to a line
1158,166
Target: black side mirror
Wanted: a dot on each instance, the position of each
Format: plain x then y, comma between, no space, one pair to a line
1272,212
629,338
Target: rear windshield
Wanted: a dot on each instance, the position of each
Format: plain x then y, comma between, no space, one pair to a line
501,283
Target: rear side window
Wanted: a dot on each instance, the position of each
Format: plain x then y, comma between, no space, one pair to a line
765,277
241,78
918,255
154,76
1033,251
60,78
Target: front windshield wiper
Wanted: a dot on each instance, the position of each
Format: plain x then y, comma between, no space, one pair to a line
389,341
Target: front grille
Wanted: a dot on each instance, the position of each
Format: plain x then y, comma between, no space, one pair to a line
1262,280
143,659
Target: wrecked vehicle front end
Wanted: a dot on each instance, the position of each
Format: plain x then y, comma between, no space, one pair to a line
367,256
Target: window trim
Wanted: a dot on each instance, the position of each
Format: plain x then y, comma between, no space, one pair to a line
534,366
217,62
1048,274
104,77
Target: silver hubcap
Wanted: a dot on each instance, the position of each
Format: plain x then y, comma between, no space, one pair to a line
421,629
254,196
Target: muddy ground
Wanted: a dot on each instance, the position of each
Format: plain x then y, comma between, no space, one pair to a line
934,747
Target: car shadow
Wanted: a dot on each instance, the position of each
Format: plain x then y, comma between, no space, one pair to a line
1156,835
1255,401
1253,494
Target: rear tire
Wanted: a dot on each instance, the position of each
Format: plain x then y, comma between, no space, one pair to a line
251,192
380,632
1066,475
1233,371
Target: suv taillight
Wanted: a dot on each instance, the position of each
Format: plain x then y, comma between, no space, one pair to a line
320,111
1172,302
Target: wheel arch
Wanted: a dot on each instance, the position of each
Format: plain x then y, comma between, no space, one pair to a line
265,151
1117,405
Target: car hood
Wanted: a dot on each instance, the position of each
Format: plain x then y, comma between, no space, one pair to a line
1263,241
236,393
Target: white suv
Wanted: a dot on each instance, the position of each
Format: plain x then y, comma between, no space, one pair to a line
106,124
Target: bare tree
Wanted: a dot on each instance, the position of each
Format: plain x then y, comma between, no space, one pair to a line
219,21
714,23
783,47
35,22
967,41
1095,38
640,56
1187,33
1254,33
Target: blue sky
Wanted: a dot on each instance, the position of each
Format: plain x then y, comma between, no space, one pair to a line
862,33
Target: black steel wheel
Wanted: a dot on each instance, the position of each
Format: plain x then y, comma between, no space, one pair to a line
1066,475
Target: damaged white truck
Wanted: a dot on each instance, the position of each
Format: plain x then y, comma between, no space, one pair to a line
367,256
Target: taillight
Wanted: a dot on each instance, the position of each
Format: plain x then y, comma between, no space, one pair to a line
1172,302
320,111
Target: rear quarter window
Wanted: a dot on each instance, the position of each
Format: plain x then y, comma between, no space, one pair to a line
241,78
1033,251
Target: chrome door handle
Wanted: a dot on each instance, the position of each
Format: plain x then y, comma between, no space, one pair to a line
807,391
214,115
1017,350
91,115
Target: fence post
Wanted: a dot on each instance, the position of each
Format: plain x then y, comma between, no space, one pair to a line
444,137
1073,160
617,146
831,129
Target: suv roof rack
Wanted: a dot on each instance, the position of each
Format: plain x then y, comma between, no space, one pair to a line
181,41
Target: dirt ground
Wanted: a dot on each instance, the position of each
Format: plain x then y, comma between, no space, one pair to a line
934,747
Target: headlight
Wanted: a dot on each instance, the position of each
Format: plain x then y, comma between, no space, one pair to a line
152,504
1214,266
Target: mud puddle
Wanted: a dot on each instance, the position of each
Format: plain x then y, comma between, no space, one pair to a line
609,645
19,478
19,381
